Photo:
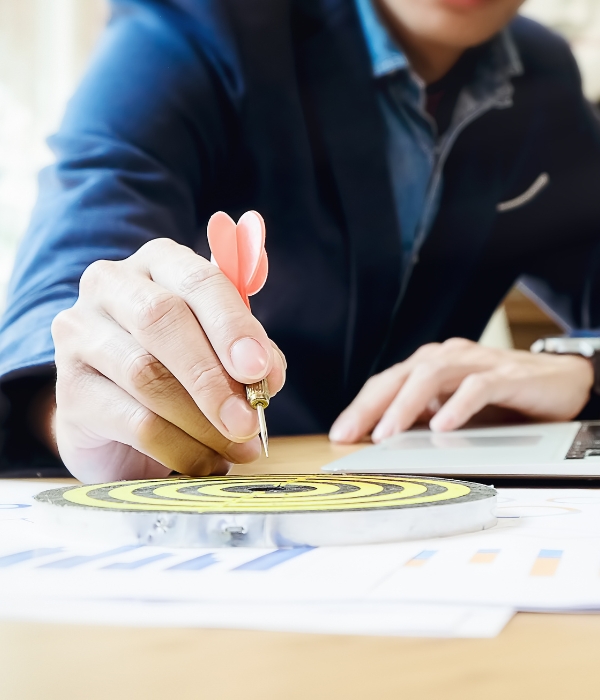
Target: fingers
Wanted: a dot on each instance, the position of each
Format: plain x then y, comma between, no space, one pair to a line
544,387
363,414
474,393
167,327
112,352
457,380
110,415
238,339
282,356
434,376
400,396
423,385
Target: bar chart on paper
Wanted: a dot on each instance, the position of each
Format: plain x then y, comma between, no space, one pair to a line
484,556
546,562
533,573
56,558
421,558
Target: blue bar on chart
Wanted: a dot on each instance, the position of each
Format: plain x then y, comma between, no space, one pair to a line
484,556
546,562
132,565
273,559
195,564
72,562
18,557
421,558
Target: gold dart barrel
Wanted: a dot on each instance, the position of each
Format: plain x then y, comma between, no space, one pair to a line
258,397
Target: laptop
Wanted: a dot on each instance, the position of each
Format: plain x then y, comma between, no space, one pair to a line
544,450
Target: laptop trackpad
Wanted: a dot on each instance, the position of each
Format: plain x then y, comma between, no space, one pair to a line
540,449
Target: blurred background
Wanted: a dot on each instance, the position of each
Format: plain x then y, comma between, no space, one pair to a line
44,48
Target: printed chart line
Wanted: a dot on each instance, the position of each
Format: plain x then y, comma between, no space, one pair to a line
265,562
545,564
195,564
273,559
72,562
138,564
18,557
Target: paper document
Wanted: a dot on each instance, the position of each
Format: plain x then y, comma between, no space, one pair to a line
353,618
543,555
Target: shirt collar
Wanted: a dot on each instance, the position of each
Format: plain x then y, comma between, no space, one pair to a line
387,57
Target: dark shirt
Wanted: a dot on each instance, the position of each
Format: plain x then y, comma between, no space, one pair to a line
443,95
416,148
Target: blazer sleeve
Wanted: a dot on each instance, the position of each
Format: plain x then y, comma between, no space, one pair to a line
563,276
137,157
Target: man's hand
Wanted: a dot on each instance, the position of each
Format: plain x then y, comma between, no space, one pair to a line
151,363
455,380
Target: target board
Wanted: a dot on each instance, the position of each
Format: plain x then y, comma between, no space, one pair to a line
272,511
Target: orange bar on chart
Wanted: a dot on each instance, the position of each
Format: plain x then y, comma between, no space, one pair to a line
546,563
484,556
421,558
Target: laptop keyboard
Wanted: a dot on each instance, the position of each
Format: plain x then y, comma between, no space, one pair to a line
586,443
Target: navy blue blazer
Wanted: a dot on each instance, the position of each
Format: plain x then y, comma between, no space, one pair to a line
191,106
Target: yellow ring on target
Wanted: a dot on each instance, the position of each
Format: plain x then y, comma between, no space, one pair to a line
215,494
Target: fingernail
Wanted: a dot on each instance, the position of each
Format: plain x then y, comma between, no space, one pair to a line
380,433
249,358
239,418
340,432
440,422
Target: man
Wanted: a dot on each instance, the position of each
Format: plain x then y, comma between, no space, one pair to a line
411,159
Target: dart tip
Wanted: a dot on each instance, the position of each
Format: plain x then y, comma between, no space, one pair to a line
263,429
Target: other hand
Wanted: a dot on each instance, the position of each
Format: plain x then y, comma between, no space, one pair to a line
452,381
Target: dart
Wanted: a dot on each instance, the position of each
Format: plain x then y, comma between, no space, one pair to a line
238,250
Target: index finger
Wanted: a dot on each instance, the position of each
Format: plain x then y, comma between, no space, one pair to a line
237,337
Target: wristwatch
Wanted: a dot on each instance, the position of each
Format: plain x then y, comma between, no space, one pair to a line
586,346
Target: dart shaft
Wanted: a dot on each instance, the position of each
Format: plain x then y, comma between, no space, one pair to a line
259,397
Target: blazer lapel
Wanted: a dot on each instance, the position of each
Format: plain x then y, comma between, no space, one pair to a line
474,179
338,75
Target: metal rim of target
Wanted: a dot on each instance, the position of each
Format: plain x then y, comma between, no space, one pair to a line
272,510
